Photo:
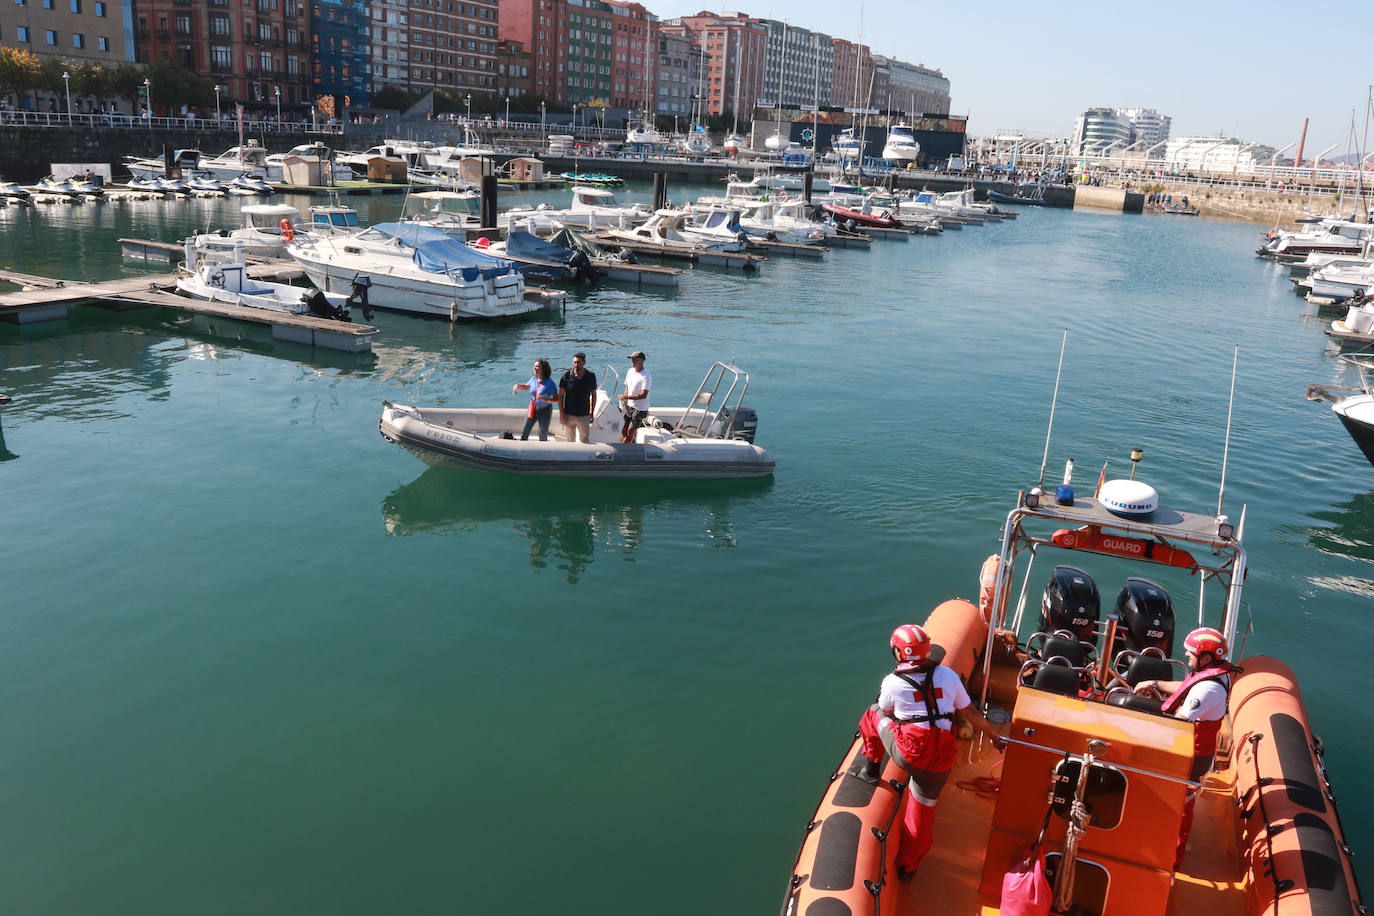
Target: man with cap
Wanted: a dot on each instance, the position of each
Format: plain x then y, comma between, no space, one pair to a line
576,396
634,400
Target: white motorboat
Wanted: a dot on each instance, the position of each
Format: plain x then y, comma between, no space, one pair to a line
414,268
260,236
414,154
448,156
1327,236
712,438
1330,284
591,207
444,210
762,219
1354,406
238,161
670,228
228,282
1316,260
735,144
334,219
1359,318
696,142
716,226
332,169
846,147
901,147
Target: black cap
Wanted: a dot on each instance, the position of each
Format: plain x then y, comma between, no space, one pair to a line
638,354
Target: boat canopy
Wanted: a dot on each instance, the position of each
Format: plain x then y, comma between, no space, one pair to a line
574,241
450,256
522,244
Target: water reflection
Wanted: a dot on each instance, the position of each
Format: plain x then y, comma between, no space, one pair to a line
565,520
5,453
1351,529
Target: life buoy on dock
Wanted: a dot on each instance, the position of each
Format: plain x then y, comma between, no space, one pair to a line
288,233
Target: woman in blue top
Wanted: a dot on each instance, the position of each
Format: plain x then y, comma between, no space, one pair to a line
543,395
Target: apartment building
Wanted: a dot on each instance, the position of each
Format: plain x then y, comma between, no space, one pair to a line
84,31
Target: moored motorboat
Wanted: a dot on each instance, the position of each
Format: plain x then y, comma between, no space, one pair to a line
668,228
901,148
262,234
1098,784
539,259
1354,406
228,282
862,214
417,269
711,438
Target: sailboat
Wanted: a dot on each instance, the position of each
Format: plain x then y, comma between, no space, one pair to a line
641,130
777,142
734,142
697,142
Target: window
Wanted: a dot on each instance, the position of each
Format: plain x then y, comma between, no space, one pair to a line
183,24
219,58
51,36
47,4
76,6
219,26
23,34
78,40
102,44
100,10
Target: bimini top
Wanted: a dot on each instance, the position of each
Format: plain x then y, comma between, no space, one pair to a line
438,253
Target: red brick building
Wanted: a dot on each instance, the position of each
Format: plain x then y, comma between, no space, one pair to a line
542,27
254,48
514,70
853,74
634,42
732,44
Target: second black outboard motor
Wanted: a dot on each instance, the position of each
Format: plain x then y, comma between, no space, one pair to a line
1071,602
1144,618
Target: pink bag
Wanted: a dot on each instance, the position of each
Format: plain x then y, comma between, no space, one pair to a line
1025,892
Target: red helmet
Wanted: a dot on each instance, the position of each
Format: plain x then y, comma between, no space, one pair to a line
1206,639
910,642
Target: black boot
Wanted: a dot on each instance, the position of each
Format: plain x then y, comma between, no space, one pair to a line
870,772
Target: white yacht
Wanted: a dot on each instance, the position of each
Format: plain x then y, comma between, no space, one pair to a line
847,147
591,207
670,229
445,210
417,269
762,219
1328,236
327,157
901,147
249,160
261,235
643,133
228,282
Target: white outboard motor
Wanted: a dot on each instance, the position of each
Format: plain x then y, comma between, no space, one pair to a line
1359,319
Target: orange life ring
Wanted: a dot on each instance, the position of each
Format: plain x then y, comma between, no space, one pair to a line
287,232
782,196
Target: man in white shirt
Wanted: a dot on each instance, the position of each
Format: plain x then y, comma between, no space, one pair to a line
634,401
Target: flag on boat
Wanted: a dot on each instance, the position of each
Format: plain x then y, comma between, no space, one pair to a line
1101,479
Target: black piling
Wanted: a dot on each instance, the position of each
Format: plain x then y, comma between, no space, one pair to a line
169,162
660,190
488,201
806,185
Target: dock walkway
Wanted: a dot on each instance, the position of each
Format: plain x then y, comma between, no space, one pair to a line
48,299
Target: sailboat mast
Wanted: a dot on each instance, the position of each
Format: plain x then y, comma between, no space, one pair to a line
815,99
724,62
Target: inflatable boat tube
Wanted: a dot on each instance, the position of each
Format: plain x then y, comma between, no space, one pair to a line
1291,838
846,866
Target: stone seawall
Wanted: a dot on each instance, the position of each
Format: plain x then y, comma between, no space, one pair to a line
1265,207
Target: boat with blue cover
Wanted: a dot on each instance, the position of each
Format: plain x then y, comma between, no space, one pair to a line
414,268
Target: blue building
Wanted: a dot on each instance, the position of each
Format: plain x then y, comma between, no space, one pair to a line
338,30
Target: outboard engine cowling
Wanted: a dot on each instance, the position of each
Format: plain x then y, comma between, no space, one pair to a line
1144,617
1071,602
746,424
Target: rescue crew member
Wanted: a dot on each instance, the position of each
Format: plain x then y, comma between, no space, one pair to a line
576,398
634,400
1202,699
913,722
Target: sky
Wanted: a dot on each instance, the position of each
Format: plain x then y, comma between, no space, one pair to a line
1252,70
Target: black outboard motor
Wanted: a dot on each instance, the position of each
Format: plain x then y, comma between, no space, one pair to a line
746,424
358,296
321,307
1071,602
1144,618
582,264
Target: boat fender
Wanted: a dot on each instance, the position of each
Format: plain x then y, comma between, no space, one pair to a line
453,310
987,585
287,232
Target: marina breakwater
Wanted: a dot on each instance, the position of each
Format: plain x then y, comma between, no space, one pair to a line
1266,206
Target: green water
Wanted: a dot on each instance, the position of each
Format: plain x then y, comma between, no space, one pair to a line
257,660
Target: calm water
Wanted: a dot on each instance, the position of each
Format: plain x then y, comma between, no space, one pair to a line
255,659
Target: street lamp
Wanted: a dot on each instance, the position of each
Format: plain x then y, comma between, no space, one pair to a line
542,129
278,95
66,81
468,102
508,111
218,89
148,93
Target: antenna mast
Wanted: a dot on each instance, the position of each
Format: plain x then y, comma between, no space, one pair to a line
1045,460
1230,406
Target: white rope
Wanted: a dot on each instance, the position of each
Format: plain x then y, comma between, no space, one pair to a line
1078,825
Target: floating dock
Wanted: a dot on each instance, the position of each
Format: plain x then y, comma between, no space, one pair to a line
46,299
815,252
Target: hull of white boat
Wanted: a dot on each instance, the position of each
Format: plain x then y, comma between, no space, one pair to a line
406,290
482,445
275,297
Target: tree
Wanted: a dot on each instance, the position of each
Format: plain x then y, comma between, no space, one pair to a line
19,70
126,82
394,97
93,81
172,85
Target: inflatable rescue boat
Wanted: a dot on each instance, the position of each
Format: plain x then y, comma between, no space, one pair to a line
712,437
1095,776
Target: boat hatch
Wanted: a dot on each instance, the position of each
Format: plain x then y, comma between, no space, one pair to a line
713,411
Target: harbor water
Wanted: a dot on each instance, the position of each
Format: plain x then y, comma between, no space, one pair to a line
257,660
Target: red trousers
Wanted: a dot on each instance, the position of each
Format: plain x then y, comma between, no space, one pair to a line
918,820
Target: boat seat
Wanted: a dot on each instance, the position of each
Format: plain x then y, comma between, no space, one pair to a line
1055,675
1128,700
1061,643
1140,667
